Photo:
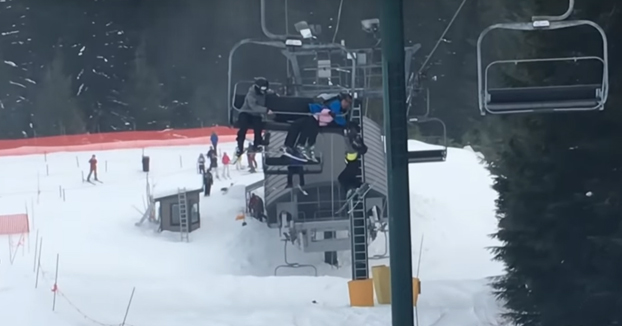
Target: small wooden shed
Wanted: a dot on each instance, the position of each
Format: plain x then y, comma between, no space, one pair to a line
169,210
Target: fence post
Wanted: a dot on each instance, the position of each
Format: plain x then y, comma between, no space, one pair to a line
127,310
55,288
34,262
39,263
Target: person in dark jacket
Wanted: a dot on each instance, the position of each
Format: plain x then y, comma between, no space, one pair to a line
252,112
260,210
208,181
355,147
213,159
252,204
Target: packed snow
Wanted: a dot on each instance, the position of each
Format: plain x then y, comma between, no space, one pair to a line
225,275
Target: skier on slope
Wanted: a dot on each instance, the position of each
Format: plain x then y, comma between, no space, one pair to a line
252,113
92,169
355,147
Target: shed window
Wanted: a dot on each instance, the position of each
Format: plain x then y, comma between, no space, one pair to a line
174,214
194,212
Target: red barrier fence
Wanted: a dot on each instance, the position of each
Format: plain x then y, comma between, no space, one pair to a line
114,140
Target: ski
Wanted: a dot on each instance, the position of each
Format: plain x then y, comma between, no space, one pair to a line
91,182
302,190
297,158
362,190
236,158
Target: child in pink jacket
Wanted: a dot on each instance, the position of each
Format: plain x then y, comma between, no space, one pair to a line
302,134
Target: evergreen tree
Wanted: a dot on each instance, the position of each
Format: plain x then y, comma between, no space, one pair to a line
559,203
97,37
142,95
55,110
15,67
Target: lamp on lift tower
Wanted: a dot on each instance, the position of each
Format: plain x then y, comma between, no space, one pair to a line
370,26
304,29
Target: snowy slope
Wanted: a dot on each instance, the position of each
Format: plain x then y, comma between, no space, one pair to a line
225,275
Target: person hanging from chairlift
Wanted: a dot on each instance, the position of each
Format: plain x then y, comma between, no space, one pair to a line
251,114
355,146
295,168
302,134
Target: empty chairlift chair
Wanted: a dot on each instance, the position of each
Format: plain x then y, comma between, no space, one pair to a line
430,155
556,98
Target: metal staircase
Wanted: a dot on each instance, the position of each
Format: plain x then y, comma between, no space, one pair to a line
357,211
184,227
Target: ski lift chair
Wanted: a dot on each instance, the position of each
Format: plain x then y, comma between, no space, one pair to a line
582,97
429,155
286,109
278,165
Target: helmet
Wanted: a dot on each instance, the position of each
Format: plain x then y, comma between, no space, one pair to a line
261,85
345,96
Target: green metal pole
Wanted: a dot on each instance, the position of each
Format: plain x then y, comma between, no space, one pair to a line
396,137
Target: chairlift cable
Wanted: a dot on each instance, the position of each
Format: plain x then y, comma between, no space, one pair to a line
440,39
338,21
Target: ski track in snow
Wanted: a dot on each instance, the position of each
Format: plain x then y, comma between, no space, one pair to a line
225,275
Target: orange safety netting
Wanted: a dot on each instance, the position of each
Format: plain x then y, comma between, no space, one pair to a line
114,140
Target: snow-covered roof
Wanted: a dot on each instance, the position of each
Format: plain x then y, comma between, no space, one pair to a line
169,186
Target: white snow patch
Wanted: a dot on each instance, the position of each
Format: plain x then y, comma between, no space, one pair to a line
224,276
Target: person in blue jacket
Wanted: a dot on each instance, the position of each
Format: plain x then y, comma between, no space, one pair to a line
302,134
214,139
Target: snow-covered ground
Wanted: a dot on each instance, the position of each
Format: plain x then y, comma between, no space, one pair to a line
224,276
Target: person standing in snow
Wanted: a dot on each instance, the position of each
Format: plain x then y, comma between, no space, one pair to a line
252,205
214,139
213,158
354,148
92,169
208,181
225,165
201,163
